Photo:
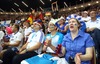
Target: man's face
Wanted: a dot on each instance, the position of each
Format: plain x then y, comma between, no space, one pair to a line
36,26
51,26
13,28
92,14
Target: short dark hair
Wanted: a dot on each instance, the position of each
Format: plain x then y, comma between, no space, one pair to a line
93,11
17,26
78,23
27,23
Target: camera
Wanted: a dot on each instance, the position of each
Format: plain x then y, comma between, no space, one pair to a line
71,60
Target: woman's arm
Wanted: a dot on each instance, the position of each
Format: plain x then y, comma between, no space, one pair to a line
88,55
65,29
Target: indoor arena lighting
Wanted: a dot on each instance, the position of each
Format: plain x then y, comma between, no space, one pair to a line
12,13
7,13
82,6
42,2
31,8
20,10
1,13
41,8
24,3
97,1
69,8
1,10
65,4
14,10
75,7
16,4
89,4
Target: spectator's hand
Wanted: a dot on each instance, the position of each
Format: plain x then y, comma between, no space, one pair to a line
77,58
5,44
2,45
48,42
91,29
22,52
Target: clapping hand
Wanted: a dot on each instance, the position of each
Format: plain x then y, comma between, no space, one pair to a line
77,58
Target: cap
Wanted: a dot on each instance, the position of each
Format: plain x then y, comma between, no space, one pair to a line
54,21
39,22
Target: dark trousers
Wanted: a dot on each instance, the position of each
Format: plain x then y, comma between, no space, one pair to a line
96,38
18,58
10,57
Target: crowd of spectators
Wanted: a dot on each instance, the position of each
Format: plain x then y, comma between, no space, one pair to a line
55,38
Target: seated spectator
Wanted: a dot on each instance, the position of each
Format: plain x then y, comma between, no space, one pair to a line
14,42
51,42
1,41
83,25
62,25
32,46
77,46
1,35
93,28
85,16
7,29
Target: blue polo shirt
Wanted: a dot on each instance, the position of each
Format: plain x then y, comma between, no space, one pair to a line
78,45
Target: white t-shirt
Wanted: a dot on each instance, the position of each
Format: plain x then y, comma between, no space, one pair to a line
86,18
21,30
15,37
1,35
27,31
92,24
34,38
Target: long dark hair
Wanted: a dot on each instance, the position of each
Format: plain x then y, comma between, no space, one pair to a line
78,23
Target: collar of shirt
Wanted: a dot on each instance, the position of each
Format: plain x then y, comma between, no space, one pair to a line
80,34
15,32
97,20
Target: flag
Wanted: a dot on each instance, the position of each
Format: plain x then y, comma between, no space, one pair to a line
30,19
